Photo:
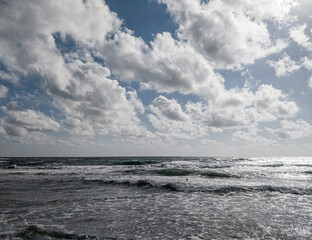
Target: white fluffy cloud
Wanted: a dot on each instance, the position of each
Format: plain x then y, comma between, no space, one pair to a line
298,35
168,108
291,129
19,124
92,102
99,102
310,82
251,137
80,87
239,109
77,127
307,63
272,103
283,66
230,34
167,66
10,77
170,65
3,91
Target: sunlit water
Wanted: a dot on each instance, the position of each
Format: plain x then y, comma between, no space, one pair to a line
155,198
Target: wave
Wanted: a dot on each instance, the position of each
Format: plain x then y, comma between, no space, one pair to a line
182,172
174,172
127,163
273,165
303,165
308,172
264,188
217,175
35,232
217,166
139,183
216,190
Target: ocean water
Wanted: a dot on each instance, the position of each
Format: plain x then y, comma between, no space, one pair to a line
156,198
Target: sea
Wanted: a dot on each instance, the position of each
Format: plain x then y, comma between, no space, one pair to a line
156,198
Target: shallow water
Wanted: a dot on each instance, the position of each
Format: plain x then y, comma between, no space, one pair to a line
155,198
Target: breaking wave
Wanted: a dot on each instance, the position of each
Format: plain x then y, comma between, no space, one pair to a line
217,190
35,232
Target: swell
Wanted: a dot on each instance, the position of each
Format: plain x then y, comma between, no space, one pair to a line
264,188
35,232
217,175
216,190
139,183
303,165
136,162
174,172
273,165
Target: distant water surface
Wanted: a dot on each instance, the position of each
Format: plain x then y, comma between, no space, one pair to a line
156,198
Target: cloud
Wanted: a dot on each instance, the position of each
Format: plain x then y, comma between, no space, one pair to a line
284,66
100,101
193,120
251,136
85,68
26,125
3,91
167,66
80,87
28,45
77,127
30,120
292,130
8,76
310,82
307,63
298,35
168,108
216,118
244,36
272,103
238,109
132,96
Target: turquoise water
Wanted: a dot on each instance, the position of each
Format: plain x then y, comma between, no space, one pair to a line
155,198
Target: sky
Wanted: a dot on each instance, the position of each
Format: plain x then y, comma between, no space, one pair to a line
155,77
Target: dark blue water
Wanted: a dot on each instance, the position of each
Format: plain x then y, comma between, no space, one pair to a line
155,198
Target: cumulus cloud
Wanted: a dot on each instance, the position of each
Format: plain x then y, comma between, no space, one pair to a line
178,67
168,108
272,103
84,81
244,36
298,35
310,82
292,129
284,66
3,91
307,63
77,127
236,110
26,125
81,88
8,76
193,120
251,136
100,101
167,66
167,116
